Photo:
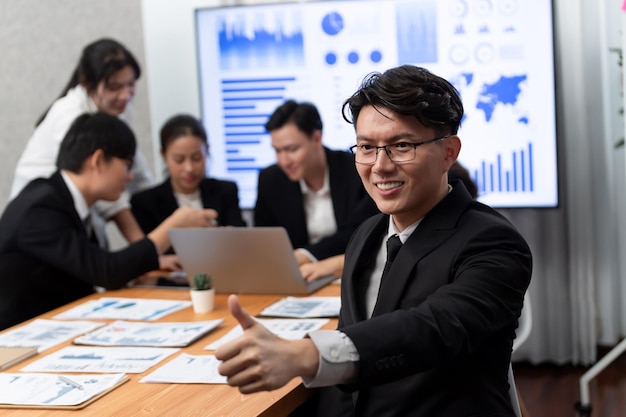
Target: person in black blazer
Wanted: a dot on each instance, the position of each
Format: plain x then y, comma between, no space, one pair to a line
48,254
305,167
151,206
430,332
184,147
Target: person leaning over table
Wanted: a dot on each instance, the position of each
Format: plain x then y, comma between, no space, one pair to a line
311,191
48,254
104,80
432,336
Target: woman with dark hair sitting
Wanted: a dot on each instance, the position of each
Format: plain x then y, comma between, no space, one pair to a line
184,147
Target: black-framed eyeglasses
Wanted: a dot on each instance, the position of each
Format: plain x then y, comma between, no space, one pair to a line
366,154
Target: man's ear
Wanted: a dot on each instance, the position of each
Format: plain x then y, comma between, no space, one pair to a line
316,137
453,148
96,160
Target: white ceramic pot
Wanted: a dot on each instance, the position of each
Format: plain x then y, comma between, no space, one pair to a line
202,300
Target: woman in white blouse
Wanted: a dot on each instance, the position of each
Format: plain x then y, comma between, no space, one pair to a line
104,80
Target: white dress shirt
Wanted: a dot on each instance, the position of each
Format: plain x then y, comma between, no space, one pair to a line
83,210
189,200
319,213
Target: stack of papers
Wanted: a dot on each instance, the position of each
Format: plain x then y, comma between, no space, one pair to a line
9,356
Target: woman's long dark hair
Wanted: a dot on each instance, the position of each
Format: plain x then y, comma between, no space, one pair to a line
98,62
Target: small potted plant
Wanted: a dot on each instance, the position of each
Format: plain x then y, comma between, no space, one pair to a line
202,293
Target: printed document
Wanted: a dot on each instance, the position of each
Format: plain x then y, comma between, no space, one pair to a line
165,334
286,328
188,369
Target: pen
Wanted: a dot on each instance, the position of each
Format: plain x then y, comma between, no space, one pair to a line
70,382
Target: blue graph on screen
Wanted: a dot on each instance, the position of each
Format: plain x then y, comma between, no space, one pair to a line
332,23
494,177
245,117
416,32
498,54
260,41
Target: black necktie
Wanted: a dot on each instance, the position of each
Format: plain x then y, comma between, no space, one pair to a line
89,229
393,246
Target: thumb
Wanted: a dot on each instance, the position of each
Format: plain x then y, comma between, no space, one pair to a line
238,312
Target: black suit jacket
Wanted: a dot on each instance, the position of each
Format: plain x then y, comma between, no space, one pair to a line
280,203
439,341
150,207
46,258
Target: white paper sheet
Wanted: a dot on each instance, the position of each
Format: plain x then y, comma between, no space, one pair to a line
188,369
167,334
124,309
44,334
53,389
286,328
100,359
304,307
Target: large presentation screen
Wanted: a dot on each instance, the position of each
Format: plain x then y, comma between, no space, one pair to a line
498,54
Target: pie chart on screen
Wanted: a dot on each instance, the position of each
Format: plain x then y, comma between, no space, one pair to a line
332,23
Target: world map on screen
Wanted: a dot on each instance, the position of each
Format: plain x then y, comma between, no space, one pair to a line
505,91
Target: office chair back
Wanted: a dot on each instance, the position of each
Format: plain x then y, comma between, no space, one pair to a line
521,334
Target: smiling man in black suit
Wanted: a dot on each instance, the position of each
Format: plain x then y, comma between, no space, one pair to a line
431,334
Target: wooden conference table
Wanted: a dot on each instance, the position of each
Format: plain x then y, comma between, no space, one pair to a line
147,399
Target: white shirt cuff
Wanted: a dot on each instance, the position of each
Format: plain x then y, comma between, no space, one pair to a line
338,359
108,209
307,254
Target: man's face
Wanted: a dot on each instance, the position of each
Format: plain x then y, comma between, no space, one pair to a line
113,96
185,159
115,174
295,150
406,190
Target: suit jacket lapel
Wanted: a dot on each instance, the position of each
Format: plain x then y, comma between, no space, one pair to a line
209,198
358,269
57,182
337,186
438,225
295,219
166,197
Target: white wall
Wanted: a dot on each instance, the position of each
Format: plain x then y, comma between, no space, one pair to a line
169,33
41,41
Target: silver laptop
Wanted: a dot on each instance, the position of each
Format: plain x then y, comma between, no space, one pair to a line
243,260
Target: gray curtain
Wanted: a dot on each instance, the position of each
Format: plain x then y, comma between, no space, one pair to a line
578,248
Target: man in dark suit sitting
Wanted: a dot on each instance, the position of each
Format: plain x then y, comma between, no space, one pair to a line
48,253
312,191
430,332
